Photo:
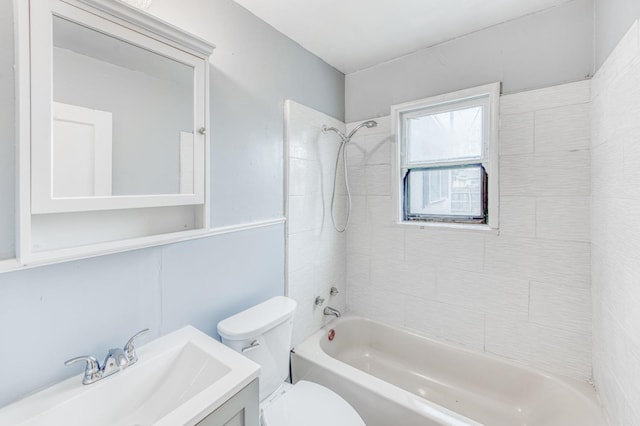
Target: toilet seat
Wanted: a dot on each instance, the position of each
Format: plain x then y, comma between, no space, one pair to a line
310,404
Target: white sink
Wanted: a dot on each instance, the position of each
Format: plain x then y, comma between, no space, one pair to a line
178,380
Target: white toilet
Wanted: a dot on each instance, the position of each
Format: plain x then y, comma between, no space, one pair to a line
263,333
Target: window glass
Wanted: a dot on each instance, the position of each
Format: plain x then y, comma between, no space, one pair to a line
451,192
448,135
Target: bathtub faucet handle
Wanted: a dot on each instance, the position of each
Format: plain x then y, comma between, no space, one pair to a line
331,311
333,291
319,301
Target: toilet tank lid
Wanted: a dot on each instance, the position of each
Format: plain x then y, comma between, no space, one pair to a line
256,320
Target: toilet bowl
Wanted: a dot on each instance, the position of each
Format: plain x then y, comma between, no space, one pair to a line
263,334
308,404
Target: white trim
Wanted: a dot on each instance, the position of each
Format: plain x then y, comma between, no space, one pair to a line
10,265
494,156
129,16
205,219
467,227
490,156
85,252
452,97
112,202
23,128
285,189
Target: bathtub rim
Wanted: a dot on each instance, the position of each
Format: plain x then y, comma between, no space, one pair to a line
311,350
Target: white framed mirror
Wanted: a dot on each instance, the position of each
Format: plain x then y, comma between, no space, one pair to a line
113,112
87,67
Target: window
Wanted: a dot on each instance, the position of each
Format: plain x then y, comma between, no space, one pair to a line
447,157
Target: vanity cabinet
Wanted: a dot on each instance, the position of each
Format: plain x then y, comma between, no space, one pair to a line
240,410
113,118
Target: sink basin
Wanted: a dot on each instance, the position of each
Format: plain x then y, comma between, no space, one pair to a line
178,380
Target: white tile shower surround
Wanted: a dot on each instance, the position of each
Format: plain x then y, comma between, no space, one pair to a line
615,230
523,294
316,253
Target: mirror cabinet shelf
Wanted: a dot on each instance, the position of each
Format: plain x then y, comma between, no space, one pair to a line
113,107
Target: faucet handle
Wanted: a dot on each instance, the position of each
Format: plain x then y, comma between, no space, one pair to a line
92,370
130,350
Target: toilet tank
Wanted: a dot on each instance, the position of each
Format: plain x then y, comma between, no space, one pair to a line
263,334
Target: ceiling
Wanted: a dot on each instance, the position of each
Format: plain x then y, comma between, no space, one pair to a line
355,34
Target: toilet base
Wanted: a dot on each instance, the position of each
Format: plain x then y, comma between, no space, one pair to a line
309,404
273,397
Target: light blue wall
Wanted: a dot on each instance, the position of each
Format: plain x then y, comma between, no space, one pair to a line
49,314
613,19
539,50
254,70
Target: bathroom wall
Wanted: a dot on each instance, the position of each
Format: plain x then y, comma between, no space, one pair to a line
522,293
615,229
538,50
254,67
316,252
612,20
52,313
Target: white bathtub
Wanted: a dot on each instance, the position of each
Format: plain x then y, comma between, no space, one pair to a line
394,377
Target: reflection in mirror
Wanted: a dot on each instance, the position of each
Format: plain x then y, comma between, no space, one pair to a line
123,117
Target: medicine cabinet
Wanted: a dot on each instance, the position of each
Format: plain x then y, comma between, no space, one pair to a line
112,120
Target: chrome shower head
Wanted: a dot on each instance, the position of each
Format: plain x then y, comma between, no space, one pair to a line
346,139
368,124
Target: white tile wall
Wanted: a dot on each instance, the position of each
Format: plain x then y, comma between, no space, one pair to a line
518,216
562,173
560,306
563,128
547,98
549,348
316,253
563,218
517,133
615,230
523,294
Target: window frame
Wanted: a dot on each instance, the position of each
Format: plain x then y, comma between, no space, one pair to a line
487,96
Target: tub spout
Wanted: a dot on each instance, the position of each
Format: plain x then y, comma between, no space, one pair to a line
330,311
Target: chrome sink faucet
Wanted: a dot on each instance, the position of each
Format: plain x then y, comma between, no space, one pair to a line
331,311
117,359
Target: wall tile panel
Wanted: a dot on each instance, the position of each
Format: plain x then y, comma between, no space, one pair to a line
516,133
518,216
316,253
547,98
563,218
563,128
615,231
523,292
559,306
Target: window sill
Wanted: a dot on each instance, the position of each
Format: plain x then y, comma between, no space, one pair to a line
465,227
